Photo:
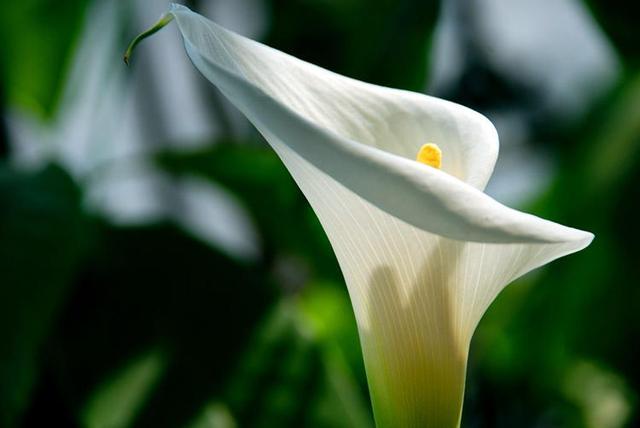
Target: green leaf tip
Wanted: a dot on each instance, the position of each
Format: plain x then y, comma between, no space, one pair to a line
164,20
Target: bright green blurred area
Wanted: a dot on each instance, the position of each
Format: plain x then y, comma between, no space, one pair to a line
108,323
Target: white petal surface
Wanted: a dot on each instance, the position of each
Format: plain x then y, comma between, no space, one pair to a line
395,121
365,136
424,252
417,297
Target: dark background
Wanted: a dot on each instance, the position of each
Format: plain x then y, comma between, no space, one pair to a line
158,267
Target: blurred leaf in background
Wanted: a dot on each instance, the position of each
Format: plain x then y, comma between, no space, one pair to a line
38,37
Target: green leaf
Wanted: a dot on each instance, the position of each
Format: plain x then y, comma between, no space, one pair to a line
115,403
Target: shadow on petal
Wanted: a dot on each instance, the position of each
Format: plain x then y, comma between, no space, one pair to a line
414,352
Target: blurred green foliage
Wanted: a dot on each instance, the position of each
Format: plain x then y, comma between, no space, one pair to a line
43,234
256,176
38,37
104,325
357,37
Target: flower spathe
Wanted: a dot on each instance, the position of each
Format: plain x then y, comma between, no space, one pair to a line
423,250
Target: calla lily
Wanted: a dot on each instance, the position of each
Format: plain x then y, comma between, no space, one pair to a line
424,251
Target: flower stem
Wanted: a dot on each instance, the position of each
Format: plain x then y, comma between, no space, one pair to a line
163,21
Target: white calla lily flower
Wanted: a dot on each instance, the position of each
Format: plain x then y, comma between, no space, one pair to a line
423,250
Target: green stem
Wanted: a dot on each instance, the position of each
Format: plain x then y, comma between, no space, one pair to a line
164,20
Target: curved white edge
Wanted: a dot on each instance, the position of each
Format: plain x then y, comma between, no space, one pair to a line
417,194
